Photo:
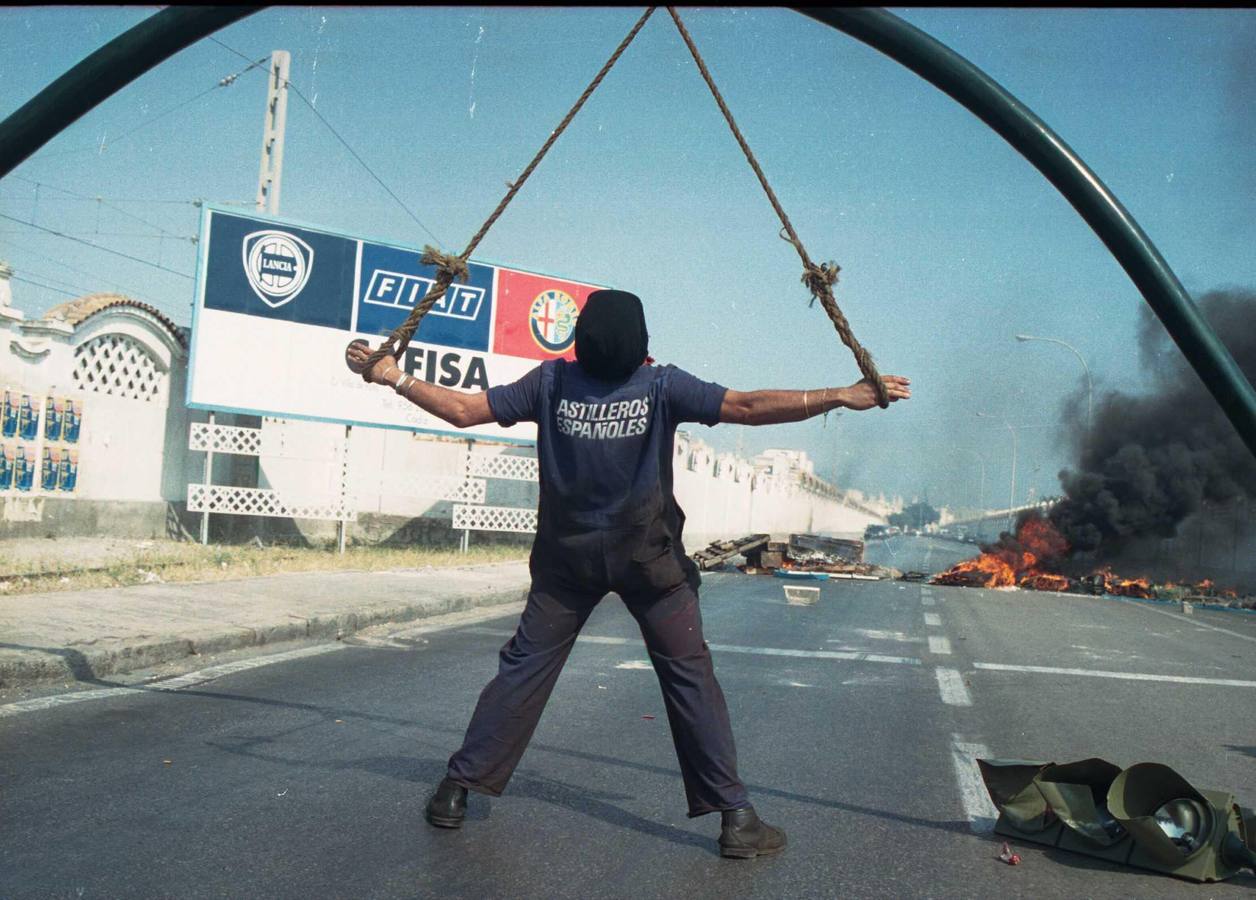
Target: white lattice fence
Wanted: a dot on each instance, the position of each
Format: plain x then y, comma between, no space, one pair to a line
225,439
494,518
119,366
246,501
468,518
211,438
450,487
515,468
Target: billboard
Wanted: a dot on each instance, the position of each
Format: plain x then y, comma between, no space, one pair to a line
277,302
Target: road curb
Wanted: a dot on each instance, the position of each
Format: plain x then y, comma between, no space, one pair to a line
41,665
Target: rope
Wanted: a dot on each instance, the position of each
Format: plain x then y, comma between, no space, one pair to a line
450,267
818,279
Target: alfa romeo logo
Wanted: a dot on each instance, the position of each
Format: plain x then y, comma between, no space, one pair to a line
277,265
552,321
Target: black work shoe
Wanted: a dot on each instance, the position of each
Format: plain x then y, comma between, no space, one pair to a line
448,806
745,835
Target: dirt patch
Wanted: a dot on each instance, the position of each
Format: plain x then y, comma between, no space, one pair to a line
38,566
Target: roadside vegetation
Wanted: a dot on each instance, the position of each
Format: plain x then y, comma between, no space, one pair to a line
150,562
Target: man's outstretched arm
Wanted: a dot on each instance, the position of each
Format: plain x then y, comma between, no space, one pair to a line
459,409
774,407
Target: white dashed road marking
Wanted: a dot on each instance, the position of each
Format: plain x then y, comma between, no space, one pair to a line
852,655
926,601
939,645
951,687
933,620
1122,676
1196,623
978,807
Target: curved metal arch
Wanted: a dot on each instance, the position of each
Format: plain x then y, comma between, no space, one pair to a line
159,37
106,71
981,95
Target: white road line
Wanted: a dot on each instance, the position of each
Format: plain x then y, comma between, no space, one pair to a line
926,601
172,684
1189,621
939,645
981,812
951,687
818,654
1122,676
881,634
933,620
853,655
437,623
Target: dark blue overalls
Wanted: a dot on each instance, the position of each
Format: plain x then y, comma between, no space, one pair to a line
607,521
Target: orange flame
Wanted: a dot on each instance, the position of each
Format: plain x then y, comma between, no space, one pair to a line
1025,561
1011,563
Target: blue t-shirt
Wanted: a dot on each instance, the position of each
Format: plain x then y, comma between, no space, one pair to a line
605,447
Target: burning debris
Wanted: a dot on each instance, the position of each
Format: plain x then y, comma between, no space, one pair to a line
1038,558
1033,555
1146,465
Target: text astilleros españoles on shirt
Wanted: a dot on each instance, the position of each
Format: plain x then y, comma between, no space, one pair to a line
626,418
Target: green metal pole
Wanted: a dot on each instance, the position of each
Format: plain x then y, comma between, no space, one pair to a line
989,101
106,71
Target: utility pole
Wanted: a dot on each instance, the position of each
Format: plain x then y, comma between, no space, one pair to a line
245,469
270,176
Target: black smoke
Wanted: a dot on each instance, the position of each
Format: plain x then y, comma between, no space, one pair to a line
1151,460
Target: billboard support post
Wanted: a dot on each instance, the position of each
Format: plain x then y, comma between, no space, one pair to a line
343,526
208,480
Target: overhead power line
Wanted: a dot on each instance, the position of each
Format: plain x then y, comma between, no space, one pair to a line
93,275
96,246
100,200
346,145
130,235
222,82
362,162
46,287
81,291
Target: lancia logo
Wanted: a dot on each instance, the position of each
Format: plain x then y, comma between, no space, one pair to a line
277,265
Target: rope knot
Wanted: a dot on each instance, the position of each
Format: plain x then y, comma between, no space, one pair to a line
820,279
449,266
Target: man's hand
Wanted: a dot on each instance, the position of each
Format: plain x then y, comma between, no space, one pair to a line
863,396
356,356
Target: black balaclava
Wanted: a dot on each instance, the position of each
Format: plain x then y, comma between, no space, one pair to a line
611,339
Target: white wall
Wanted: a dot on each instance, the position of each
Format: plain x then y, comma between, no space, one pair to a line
400,474
135,448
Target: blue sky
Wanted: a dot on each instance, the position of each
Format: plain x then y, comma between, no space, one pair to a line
950,243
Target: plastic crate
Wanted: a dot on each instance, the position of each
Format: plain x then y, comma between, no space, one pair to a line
799,595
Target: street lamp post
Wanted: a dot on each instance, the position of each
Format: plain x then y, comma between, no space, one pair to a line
1011,503
1090,393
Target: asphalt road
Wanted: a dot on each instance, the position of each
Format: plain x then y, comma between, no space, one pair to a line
307,777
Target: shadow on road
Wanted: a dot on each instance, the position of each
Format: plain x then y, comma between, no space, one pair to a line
75,661
576,798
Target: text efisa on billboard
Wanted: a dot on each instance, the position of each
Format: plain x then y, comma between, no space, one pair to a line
277,301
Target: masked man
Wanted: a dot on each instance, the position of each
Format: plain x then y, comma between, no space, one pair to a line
607,521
